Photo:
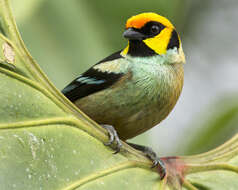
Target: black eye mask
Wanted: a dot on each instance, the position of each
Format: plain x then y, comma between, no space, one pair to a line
151,29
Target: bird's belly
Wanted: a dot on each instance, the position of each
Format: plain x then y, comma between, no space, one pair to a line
132,108
145,117
130,112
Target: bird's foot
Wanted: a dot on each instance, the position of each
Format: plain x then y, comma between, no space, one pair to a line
113,138
153,157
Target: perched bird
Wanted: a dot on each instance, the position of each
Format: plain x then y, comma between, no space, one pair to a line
135,88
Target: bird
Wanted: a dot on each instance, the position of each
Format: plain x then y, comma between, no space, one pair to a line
134,89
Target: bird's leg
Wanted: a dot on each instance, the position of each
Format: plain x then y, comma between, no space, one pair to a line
152,156
113,137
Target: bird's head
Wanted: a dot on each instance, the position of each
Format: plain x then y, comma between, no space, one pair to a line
150,34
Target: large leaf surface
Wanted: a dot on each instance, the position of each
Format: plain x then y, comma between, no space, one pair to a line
47,143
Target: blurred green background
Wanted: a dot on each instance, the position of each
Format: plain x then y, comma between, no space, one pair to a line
67,37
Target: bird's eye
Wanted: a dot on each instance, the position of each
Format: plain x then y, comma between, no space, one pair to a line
154,29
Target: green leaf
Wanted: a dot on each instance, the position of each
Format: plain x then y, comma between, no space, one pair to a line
217,169
47,143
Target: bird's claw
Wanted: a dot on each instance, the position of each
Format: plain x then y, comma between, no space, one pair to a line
157,162
160,164
113,137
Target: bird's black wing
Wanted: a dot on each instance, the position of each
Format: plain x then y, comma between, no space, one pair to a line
93,80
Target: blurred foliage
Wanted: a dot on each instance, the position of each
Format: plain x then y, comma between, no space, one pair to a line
218,126
22,11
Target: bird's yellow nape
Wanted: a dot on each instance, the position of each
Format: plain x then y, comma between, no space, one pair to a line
138,21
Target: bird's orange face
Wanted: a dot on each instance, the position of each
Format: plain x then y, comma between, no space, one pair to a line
150,34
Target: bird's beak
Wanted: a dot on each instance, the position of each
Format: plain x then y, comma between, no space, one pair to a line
132,34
